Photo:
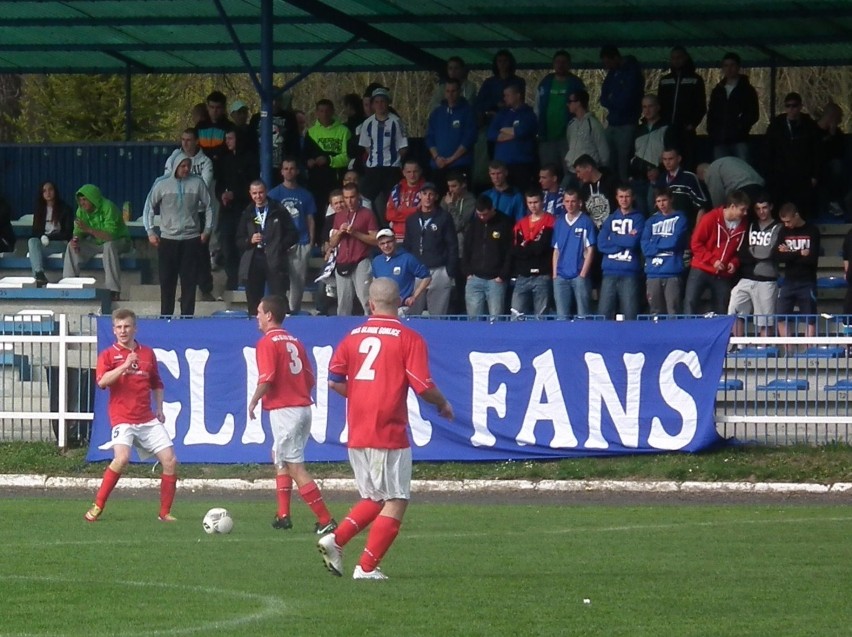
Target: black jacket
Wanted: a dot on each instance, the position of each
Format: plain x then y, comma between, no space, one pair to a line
432,239
683,99
235,172
7,233
730,118
66,223
793,149
486,247
279,236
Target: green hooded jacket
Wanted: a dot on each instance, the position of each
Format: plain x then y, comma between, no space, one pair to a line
106,216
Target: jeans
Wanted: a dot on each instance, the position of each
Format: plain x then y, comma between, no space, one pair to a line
531,294
620,139
720,292
619,291
38,252
481,292
568,291
738,149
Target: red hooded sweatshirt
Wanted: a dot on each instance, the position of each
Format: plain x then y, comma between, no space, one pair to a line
712,241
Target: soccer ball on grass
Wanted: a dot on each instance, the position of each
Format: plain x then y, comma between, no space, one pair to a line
217,520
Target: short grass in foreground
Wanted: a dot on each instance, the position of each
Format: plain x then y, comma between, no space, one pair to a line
689,570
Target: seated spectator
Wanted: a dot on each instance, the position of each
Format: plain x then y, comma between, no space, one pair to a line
664,239
507,199
451,134
397,264
404,199
732,111
513,131
618,242
715,248
486,259
574,238
531,258
457,70
757,289
353,233
53,222
551,191
686,190
585,137
727,174
798,253
98,228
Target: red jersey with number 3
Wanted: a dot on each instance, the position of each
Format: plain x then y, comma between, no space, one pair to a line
130,395
379,361
283,363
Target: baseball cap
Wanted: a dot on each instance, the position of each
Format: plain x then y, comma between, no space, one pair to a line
384,232
380,92
237,105
428,186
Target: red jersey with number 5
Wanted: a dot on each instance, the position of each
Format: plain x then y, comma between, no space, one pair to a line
130,395
379,361
283,363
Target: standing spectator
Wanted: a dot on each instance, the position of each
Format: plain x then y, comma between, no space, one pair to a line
847,271
430,235
178,198
239,113
451,134
552,108
129,370
353,233
664,239
686,190
397,264
53,222
396,359
265,234
832,152
798,252
732,111
551,191
727,174
513,130
404,199
757,289
456,70
460,204
285,128
98,228
506,198
285,380
574,238
715,248
235,170
683,102
618,242
300,203
489,100
621,94
585,136
486,264
597,189
531,258
652,136
326,167
385,143
198,113
211,130
793,144
353,114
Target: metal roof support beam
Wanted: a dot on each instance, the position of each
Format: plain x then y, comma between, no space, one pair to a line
241,51
370,34
265,90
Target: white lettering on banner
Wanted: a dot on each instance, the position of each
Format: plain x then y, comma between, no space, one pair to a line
481,400
253,432
171,411
625,417
679,400
547,403
197,434
319,411
421,429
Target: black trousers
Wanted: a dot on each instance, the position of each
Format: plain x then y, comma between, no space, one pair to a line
260,278
179,259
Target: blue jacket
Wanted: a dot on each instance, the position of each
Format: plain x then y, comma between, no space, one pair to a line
571,241
574,84
510,202
664,240
449,128
521,149
301,206
618,241
403,267
621,93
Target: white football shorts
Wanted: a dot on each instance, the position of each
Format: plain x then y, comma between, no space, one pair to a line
148,438
382,474
291,427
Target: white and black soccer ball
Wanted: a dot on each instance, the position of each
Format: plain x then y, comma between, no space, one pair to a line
217,520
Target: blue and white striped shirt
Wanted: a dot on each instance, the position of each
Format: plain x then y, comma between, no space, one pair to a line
383,141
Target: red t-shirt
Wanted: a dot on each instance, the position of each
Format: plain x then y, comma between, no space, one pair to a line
283,363
352,250
379,361
130,395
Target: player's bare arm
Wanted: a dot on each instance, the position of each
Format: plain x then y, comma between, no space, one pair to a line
434,396
259,392
158,401
113,375
340,388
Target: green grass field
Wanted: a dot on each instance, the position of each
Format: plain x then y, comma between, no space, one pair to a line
455,570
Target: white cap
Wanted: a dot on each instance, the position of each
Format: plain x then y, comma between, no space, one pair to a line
384,232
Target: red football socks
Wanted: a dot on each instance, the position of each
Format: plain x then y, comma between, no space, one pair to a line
382,534
107,485
284,489
313,498
168,486
358,519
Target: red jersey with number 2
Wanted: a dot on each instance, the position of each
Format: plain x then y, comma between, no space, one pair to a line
130,395
379,361
283,363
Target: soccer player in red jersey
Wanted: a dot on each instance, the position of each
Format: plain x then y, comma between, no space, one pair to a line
373,367
284,382
129,370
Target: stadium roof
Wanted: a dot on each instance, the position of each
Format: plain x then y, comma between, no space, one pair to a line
199,36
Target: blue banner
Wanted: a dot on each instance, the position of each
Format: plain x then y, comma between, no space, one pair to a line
521,390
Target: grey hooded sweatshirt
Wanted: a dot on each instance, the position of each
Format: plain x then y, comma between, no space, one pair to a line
185,206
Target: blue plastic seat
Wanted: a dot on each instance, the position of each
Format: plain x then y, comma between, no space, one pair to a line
823,351
755,352
831,282
729,384
785,384
841,385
